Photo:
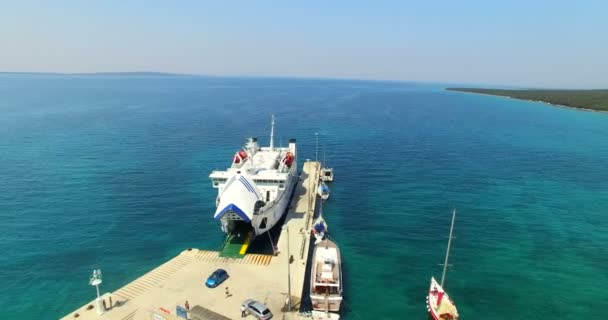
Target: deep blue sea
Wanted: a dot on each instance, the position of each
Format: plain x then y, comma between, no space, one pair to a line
111,172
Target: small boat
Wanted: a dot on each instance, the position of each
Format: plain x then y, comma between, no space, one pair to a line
323,191
326,277
438,302
327,174
319,227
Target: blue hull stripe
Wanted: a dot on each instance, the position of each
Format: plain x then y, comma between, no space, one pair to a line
247,185
234,208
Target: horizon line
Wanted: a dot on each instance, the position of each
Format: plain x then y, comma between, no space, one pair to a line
290,77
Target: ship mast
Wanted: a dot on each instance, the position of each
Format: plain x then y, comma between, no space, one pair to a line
447,252
272,132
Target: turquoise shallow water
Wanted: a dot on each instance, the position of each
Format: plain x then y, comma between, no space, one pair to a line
111,172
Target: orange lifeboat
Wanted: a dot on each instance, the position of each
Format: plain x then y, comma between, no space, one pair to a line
288,160
241,155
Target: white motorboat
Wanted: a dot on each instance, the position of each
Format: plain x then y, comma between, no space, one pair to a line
326,277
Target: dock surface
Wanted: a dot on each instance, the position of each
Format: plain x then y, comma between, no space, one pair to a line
156,294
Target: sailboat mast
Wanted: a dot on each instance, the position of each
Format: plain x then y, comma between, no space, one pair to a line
447,252
323,155
272,132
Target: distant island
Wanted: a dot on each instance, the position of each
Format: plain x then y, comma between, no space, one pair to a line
596,100
129,74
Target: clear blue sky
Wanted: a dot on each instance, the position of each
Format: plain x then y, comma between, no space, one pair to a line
519,43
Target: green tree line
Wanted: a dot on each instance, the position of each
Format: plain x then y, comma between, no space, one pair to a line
585,99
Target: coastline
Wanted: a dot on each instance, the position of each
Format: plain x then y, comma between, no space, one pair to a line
524,99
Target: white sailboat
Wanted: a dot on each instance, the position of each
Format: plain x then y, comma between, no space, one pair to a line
438,302
323,191
327,174
253,193
319,227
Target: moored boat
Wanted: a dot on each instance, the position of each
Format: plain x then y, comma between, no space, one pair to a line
326,277
323,191
327,174
319,227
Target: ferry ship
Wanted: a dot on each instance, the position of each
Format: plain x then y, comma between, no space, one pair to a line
253,193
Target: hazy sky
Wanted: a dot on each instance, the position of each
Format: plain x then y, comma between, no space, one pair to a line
521,43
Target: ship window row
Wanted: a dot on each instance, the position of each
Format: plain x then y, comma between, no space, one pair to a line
269,181
217,181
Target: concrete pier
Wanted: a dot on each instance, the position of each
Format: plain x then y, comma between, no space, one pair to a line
157,294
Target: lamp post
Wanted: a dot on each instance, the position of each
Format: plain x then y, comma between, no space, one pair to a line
317,147
95,280
286,228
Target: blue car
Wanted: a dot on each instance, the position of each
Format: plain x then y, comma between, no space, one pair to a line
216,278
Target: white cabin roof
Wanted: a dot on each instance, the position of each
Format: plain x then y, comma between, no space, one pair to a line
327,254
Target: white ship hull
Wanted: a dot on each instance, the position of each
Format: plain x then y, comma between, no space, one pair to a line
272,212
